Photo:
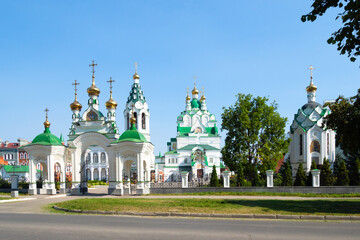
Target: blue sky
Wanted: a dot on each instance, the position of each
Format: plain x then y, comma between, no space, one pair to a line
257,47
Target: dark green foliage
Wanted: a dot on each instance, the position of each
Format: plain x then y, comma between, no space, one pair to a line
326,176
23,184
347,37
214,181
256,179
255,133
286,174
345,120
354,175
342,177
240,180
300,179
4,184
309,176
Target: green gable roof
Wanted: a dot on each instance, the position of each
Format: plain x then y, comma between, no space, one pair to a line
171,152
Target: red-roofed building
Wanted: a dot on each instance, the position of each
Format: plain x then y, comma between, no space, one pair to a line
11,153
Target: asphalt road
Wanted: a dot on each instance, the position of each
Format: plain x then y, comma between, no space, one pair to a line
50,226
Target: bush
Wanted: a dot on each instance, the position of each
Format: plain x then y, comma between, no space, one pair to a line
214,181
4,184
354,175
286,174
342,177
23,184
300,179
309,176
240,176
326,177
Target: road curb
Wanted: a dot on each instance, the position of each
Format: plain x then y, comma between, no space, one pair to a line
214,215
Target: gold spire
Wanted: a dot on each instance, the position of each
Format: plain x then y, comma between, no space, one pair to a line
195,91
187,96
132,119
203,95
46,123
93,90
75,105
311,87
136,76
111,102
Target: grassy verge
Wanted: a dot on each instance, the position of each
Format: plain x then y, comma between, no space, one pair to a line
324,195
220,206
5,198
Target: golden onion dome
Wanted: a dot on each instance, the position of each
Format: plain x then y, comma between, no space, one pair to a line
75,106
195,91
311,87
188,98
111,104
202,98
47,124
132,119
93,90
136,76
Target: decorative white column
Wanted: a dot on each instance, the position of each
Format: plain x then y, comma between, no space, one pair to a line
184,179
51,172
315,177
32,172
62,180
269,178
140,176
226,175
91,173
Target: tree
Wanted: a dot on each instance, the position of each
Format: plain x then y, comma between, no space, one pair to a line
286,175
354,175
309,177
345,120
326,177
347,37
342,178
240,176
256,179
300,179
214,181
255,132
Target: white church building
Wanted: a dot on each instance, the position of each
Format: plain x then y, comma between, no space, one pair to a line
310,140
196,147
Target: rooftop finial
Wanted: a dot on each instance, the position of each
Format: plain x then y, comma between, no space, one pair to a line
46,123
311,87
203,94
136,75
195,91
75,86
311,72
111,81
93,71
187,94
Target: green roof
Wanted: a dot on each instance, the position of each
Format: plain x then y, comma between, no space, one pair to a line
184,131
171,152
204,146
131,135
46,138
17,169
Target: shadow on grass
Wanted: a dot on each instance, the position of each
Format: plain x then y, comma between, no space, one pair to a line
305,207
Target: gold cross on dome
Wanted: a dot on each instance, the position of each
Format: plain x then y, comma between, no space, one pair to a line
93,68
311,71
75,86
111,81
195,77
46,112
136,64
187,90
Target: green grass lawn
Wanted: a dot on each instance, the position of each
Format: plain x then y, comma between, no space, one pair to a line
5,198
323,195
221,206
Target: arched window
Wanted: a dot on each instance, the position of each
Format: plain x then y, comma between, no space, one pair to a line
143,124
315,146
96,158
21,155
88,158
128,121
301,144
103,157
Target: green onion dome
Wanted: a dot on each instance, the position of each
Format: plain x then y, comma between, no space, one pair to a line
46,138
131,135
195,103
